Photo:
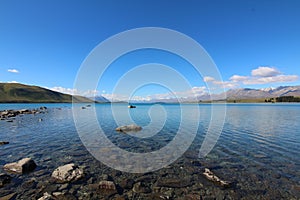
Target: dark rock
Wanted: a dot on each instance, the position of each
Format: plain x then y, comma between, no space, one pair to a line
22,166
4,179
3,142
196,163
140,187
67,173
43,108
30,184
127,184
106,177
129,128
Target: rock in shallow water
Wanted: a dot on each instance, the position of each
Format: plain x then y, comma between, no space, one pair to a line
129,128
212,177
67,173
22,166
140,187
3,142
4,179
107,188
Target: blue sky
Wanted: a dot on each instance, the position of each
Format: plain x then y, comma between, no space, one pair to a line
254,43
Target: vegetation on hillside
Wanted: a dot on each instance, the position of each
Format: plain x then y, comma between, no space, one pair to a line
20,93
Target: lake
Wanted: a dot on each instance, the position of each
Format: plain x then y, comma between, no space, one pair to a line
257,151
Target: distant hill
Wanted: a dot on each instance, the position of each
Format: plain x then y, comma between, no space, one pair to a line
247,93
100,99
20,93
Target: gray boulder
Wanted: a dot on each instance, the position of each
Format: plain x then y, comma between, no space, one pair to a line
129,128
67,173
22,166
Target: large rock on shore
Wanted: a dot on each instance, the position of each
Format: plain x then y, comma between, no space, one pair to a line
67,173
22,166
129,128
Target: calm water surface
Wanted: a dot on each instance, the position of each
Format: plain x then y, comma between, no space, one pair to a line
258,150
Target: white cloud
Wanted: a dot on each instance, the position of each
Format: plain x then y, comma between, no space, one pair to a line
193,92
220,84
208,79
116,97
72,91
65,90
272,79
265,72
12,81
238,78
260,75
13,70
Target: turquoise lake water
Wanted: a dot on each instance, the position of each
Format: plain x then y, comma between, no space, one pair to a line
258,149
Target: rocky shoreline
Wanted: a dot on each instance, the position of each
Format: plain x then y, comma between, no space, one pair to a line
71,181
9,115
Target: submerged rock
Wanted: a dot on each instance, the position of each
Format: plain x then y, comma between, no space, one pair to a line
4,179
67,173
22,166
212,177
140,187
129,128
107,187
127,183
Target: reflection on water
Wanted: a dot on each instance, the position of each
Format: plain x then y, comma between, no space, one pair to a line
258,150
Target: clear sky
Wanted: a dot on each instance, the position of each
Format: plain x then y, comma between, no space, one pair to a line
254,43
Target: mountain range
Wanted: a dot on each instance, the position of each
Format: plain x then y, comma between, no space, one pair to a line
248,93
235,94
20,93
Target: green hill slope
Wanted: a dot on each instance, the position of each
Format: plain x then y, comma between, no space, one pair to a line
20,93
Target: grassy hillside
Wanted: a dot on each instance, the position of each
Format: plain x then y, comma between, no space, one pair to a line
19,93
